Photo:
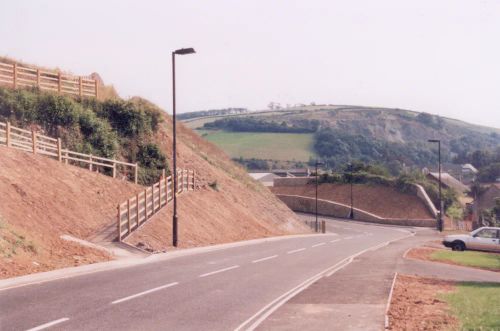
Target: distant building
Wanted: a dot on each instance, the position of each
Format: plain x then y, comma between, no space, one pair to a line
448,181
300,172
266,178
464,173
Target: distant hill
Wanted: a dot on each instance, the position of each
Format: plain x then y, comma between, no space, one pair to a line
369,134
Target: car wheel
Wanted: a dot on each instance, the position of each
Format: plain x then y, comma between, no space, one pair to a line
458,246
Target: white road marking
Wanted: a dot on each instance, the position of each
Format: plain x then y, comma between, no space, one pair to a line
264,259
334,241
144,293
49,324
346,238
296,251
271,307
320,244
218,271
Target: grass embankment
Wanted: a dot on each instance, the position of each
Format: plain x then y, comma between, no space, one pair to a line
476,305
490,261
275,146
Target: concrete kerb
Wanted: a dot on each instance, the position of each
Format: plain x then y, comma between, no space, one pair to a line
389,300
52,275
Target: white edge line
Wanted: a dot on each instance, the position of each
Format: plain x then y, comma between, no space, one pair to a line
265,259
334,241
386,320
406,252
345,263
49,324
144,293
320,244
218,271
291,293
296,251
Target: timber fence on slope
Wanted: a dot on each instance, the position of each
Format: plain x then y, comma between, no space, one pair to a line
141,207
36,143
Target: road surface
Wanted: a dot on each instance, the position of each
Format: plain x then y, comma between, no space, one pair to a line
227,289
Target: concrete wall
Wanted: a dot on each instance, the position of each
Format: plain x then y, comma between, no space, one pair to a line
335,209
422,194
292,181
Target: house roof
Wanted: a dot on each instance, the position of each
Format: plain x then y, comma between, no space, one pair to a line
470,167
450,181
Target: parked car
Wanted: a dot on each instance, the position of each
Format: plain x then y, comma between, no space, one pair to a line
482,239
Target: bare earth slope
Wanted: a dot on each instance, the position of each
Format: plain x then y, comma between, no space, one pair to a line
235,208
380,200
41,199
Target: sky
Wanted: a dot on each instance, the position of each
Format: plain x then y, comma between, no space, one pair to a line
441,57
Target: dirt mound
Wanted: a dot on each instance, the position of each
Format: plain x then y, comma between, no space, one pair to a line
42,199
380,200
230,206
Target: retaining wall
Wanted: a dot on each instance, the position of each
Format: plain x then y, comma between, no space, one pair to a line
335,209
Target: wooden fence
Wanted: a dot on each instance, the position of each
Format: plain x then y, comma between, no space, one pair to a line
33,142
141,207
16,76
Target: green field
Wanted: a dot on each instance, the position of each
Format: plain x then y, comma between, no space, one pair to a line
476,305
469,259
269,146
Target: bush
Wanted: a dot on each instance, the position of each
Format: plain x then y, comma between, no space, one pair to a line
152,162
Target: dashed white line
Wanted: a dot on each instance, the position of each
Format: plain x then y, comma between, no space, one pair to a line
334,241
347,238
265,259
144,293
218,271
320,244
296,251
49,324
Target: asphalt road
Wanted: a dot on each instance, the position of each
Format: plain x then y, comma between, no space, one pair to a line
227,289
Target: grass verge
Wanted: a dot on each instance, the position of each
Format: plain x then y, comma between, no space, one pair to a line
476,305
490,261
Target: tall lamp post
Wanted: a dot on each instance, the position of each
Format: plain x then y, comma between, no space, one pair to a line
317,177
440,219
182,51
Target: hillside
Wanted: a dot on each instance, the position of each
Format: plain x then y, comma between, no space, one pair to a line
351,132
43,199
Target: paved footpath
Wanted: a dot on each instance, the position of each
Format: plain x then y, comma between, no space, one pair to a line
355,297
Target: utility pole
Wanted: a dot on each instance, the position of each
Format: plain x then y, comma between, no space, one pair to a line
440,218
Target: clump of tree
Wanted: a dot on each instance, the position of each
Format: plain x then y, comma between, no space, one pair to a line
430,120
121,129
491,217
212,112
252,124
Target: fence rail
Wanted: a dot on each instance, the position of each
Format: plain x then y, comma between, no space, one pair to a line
16,75
141,207
33,142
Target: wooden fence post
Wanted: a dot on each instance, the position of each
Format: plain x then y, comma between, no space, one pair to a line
66,159
90,164
14,74
59,82
194,176
136,173
163,173
119,222
59,150
80,86
145,205
38,78
137,208
33,140
7,134
128,217
114,170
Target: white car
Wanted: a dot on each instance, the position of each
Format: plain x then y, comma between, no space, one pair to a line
482,239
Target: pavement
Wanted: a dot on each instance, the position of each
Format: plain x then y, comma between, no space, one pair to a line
356,296
221,288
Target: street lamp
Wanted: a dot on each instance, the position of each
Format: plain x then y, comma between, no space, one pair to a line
317,176
440,219
351,214
182,51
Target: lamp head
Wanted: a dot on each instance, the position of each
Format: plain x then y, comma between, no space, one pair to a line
184,51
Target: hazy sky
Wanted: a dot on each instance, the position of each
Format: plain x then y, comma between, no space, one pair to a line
439,56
